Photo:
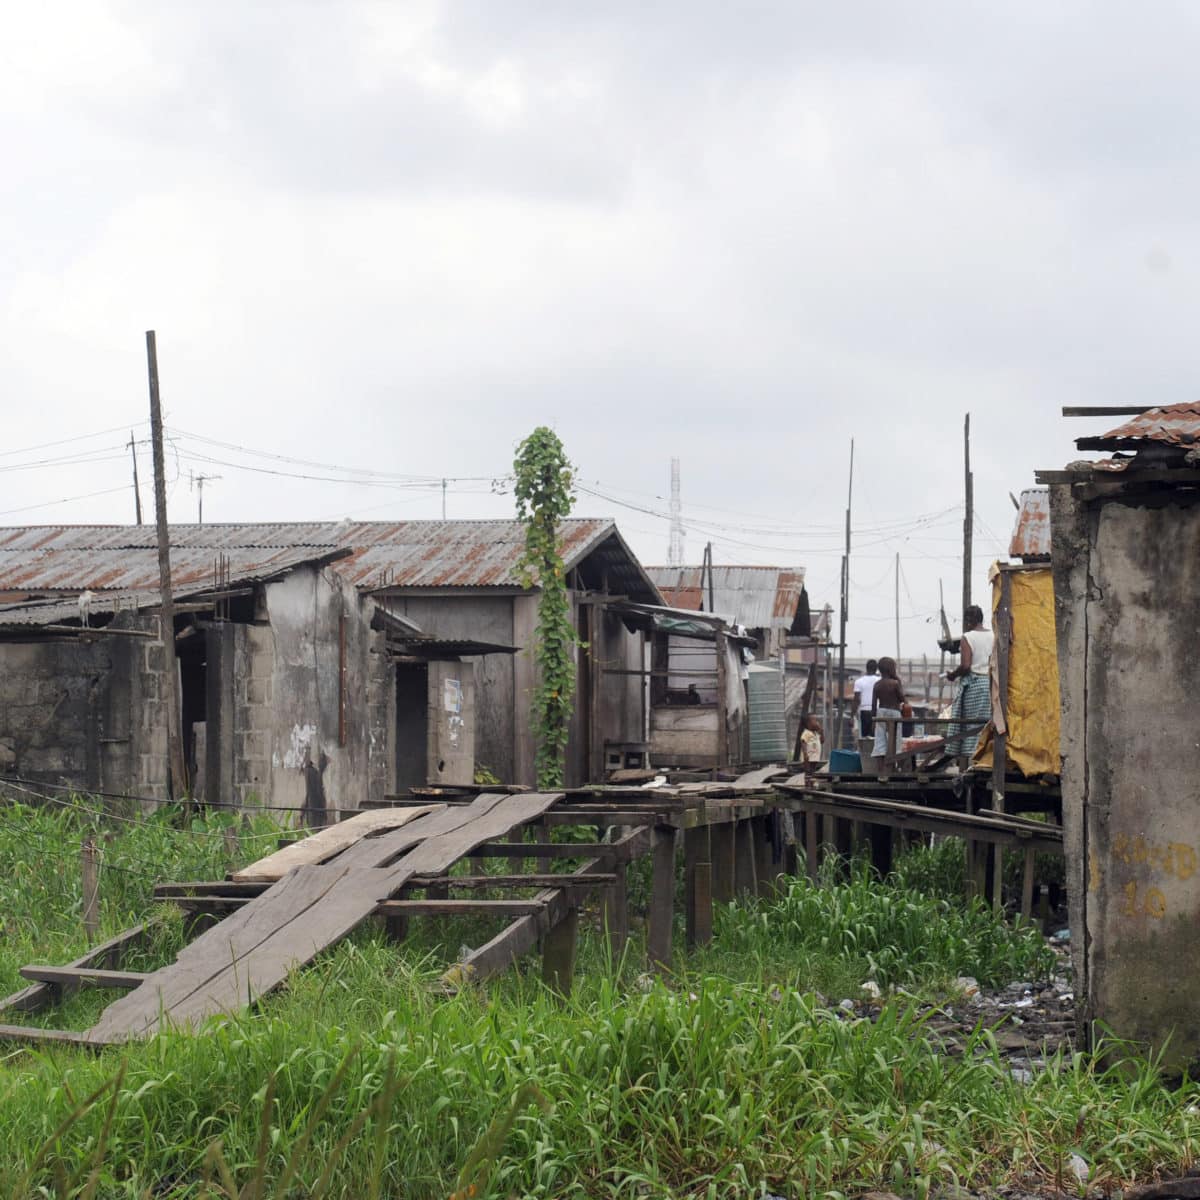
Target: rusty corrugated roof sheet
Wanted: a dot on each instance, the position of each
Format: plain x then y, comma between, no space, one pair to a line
35,613
1031,534
130,569
405,554
758,597
1172,425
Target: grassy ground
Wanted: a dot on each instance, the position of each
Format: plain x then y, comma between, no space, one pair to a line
729,1078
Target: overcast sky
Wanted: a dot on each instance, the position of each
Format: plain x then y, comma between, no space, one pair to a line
396,237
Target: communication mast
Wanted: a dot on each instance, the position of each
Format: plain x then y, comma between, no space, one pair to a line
675,549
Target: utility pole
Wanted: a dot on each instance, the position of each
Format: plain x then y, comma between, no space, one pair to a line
137,495
969,515
177,781
443,499
841,699
945,638
897,610
706,573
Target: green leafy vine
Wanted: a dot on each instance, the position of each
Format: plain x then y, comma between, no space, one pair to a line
544,479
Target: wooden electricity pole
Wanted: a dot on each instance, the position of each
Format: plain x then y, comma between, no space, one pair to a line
841,699
177,782
969,515
898,613
137,492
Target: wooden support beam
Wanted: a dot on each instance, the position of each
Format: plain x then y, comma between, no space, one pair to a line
213,887
662,899
558,952
697,858
723,844
745,874
447,908
812,836
766,869
40,995
1027,881
521,936
34,1033
616,912
524,880
1002,628
83,976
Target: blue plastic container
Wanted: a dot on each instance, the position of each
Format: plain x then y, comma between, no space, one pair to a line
844,762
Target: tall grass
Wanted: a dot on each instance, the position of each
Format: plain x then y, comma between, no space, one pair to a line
729,1077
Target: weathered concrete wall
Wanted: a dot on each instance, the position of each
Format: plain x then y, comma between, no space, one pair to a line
291,698
1128,585
88,714
486,619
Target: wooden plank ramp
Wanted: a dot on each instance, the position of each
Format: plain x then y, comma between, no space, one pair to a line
314,906
328,842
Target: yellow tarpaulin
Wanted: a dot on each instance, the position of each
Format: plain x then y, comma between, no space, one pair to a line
1031,707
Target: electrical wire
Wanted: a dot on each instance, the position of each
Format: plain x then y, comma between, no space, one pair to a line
82,437
64,500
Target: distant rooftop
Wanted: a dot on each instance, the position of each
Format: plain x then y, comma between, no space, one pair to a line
67,559
756,597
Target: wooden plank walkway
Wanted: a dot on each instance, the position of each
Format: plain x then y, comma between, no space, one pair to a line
253,950
327,843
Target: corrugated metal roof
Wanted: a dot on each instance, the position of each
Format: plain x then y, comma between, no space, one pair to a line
134,569
1172,425
759,597
406,554
59,612
1031,534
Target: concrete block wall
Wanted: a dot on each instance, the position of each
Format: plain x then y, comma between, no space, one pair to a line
254,713
149,725
47,707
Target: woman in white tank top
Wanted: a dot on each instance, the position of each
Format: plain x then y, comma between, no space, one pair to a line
973,703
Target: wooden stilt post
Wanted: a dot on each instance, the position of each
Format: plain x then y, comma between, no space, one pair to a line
616,912
745,875
1002,629
722,848
662,898
516,864
811,840
765,866
1027,884
558,953
698,886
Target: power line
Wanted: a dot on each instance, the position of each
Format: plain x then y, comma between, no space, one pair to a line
82,437
64,500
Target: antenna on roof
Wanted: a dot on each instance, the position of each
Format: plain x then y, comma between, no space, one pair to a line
198,482
675,549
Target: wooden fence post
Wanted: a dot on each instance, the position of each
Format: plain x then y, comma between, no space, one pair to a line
90,863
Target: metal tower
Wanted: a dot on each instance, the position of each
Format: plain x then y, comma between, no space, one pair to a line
675,550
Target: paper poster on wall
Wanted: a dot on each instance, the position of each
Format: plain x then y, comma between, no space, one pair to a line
452,695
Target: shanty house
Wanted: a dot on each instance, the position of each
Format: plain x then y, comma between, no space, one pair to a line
320,664
770,603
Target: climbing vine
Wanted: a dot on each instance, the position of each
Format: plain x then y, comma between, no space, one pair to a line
544,478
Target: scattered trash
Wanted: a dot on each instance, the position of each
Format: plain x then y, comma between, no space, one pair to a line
846,1005
1021,1074
1062,935
1079,1168
872,990
967,985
